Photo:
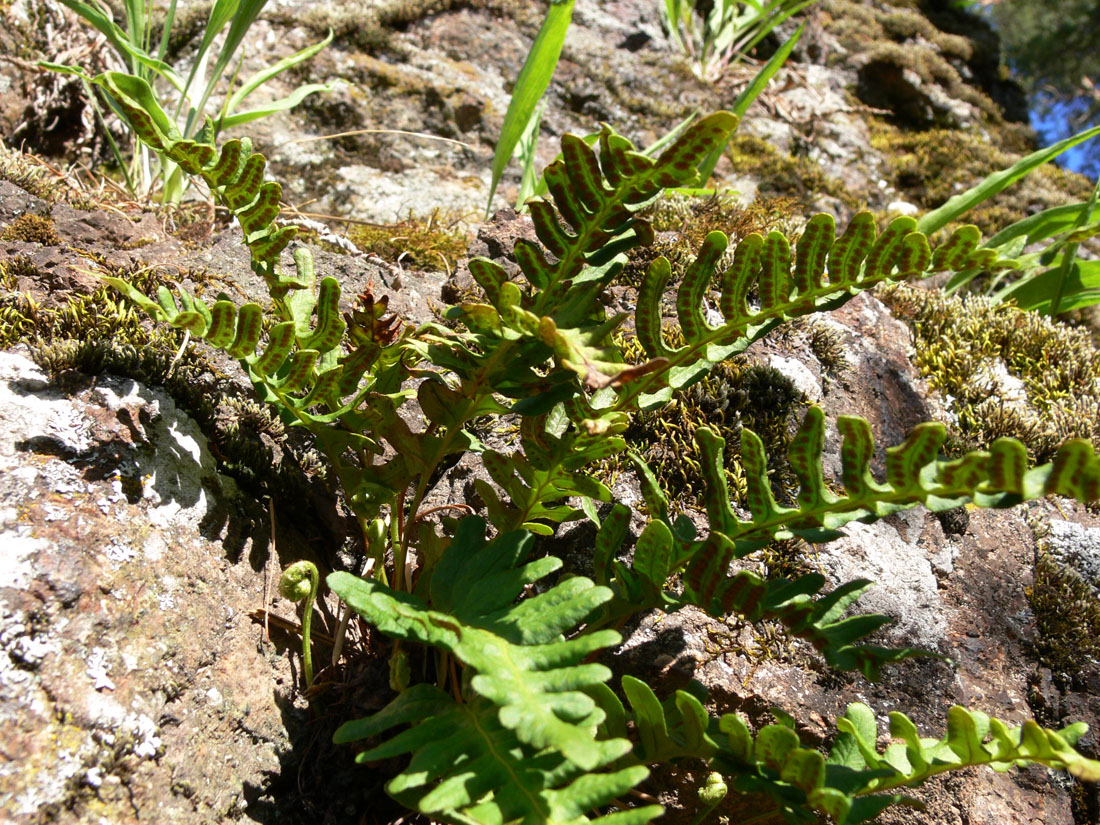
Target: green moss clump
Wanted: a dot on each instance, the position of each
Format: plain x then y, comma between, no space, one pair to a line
432,243
682,222
903,36
957,341
367,26
1067,615
32,229
23,171
821,339
930,167
733,395
101,333
780,175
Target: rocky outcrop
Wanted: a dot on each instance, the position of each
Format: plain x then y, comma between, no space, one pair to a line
137,557
132,678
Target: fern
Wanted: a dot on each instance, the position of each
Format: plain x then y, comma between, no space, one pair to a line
915,475
235,174
466,767
849,783
521,725
824,272
541,478
852,782
524,727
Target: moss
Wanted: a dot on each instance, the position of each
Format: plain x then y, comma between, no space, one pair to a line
435,242
15,268
32,229
858,26
733,395
367,26
821,339
778,174
682,222
905,24
958,340
930,167
1067,616
32,175
102,333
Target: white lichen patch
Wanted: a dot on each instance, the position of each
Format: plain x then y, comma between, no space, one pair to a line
998,381
17,551
804,380
97,670
905,585
1077,547
32,415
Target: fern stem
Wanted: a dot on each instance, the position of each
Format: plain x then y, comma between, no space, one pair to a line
398,541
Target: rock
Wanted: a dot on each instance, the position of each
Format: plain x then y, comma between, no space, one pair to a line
1078,547
132,681
902,208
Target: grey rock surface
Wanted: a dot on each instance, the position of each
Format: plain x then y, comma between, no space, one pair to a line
133,684
1077,547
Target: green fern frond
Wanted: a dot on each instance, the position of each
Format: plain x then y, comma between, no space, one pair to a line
825,271
676,729
466,767
235,174
522,742
300,363
583,232
796,604
915,475
972,738
849,784
540,480
520,659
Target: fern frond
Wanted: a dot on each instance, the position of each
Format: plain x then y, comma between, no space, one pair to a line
540,480
466,767
595,199
235,174
522,744
583,234
915,475
520,660
798,604
825,271
300,362
669,731
972,738
851,783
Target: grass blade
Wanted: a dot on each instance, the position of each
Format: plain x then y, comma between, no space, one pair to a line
259,78
531,84
1080,283
282,104
1046,224
746,98
527,145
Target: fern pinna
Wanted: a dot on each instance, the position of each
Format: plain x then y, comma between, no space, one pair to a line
520,724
